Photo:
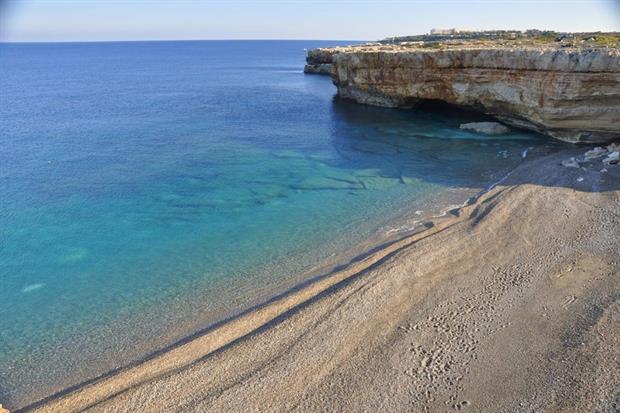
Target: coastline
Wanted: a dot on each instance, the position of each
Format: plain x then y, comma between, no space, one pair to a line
231,325
402,225
214,349
533,82
279,214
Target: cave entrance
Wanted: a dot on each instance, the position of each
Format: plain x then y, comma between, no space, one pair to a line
465,114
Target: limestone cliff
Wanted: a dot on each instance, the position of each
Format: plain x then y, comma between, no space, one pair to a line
570,93
320,61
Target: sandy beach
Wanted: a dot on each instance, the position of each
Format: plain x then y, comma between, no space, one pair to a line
508,304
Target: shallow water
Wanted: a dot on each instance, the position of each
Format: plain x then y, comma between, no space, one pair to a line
148,189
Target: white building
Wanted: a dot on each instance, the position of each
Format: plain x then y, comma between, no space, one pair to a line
443,32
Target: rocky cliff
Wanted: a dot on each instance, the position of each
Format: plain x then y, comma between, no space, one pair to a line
569,93
320,61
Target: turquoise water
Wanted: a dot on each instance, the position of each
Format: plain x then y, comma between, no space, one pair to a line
149,189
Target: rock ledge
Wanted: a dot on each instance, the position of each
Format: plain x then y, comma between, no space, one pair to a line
572,94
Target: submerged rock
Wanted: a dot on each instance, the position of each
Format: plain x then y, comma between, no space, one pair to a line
488,128
30,288
320,183
379,182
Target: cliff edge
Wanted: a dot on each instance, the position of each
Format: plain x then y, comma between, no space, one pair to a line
568,91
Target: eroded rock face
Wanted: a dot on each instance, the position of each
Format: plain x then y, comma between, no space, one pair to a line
320,61
569,94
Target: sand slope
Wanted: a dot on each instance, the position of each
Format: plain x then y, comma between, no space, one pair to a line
513,305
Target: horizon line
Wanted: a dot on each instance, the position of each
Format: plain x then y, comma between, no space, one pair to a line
176,40
268,39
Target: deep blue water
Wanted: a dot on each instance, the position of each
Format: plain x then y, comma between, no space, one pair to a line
148,189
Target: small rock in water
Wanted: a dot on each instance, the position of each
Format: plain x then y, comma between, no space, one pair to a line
612,159
570,163
595,153
488,128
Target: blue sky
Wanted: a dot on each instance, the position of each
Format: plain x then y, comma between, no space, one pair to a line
93,20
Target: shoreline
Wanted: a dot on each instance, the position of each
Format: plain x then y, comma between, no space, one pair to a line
382,237
305,287
403,224
229,334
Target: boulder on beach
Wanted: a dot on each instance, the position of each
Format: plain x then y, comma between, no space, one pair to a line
595,153
612,159
488,128
613,147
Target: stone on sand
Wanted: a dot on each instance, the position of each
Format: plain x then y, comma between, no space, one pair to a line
570,163
612,159
613,147
595,153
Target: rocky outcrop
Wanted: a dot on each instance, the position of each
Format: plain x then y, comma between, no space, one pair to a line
320,61
610,155
488,128
568,93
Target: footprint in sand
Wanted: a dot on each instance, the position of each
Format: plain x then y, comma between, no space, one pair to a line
564,272
568,301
